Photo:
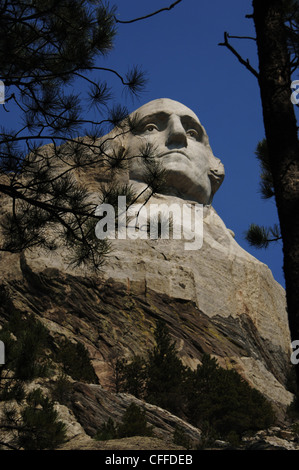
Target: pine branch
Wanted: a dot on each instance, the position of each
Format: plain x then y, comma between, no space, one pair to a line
240,59
52,209
241,37
259,236
10,446
148,16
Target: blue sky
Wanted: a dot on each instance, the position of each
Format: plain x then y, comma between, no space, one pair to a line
179,52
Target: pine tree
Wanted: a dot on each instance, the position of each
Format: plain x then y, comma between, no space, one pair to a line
277,39
134,423
277,62
131,376
221,400
165,372
41,428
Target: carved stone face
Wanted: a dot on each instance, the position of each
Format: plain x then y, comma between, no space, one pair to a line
182,146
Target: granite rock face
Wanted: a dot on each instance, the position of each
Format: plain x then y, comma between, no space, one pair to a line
232,290
218,300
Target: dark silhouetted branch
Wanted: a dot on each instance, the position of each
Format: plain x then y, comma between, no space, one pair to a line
150,15
241,37
240,59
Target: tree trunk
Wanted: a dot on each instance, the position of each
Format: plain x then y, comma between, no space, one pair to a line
281,134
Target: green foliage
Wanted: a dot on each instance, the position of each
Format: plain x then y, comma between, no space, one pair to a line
41,428
266,184
210,397
222,398
25,340
290,383
50,66
260,236
61,389
295,430
92,251
12,391
233,438
208,436
134,423
131,377
257,235
51,28
165,372
30,346
291,10
111,191
76,362
107,431
159,378
155,173
28,349
180,438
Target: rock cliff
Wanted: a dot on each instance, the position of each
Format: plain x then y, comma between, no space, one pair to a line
217,300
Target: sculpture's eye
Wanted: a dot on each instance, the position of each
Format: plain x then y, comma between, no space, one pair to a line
192,133
151,128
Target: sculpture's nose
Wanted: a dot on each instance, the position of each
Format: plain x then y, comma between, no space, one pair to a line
176,132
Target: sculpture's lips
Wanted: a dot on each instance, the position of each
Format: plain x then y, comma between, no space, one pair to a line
171,152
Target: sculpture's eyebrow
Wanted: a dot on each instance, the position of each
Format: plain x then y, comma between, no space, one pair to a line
162,115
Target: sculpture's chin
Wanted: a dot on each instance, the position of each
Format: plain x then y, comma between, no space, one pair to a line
181,181
189,187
